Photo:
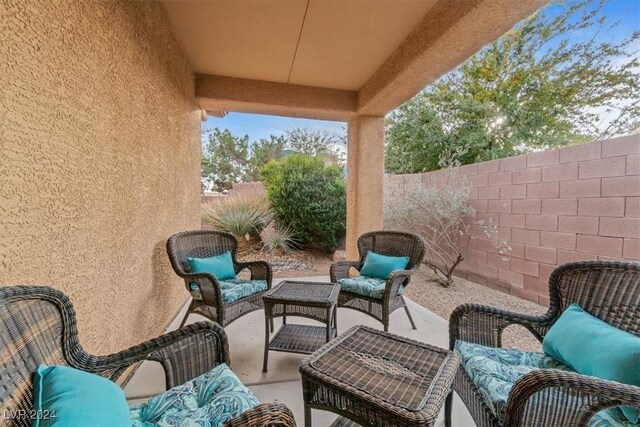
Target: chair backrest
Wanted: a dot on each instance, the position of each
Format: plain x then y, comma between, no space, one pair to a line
37,326
198,244
609,290
393,243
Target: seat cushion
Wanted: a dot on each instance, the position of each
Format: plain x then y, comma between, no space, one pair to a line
495,370
371,287
612,417
211,399
233,290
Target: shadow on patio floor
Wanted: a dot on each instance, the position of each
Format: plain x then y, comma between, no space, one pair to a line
282,382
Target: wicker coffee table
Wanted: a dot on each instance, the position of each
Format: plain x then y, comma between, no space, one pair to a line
374,378
315,300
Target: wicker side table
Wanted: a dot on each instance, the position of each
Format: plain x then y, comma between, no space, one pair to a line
314,300
378,379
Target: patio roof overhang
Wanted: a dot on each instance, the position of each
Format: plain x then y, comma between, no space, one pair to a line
344,60
331,59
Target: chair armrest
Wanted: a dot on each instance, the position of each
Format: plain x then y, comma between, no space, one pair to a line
396,279
184,354
340,269
481,324
553,397
266,414
260,270
208,285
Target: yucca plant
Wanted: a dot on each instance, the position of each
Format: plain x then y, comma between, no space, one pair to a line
244,218
282,240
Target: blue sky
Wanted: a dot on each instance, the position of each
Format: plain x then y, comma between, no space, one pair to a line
261,126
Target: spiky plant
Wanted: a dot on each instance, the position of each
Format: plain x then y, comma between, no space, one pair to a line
283,240
244,218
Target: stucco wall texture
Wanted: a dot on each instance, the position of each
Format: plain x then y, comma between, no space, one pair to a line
99,160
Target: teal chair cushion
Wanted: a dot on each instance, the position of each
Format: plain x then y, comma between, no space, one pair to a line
211,399
495,370
371,287
234,289
381,266
220,266
68,397
593,347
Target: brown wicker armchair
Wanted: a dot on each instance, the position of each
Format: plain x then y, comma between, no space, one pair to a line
391,243
205,243
609,290
38,326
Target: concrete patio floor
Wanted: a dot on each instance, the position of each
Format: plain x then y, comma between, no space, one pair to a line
282,382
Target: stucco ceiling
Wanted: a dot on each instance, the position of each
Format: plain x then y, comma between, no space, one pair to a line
326,43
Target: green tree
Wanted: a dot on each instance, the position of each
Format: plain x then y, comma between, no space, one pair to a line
262,152
315,143
225,160
542,85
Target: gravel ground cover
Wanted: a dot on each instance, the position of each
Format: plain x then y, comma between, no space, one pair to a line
443,301
293,264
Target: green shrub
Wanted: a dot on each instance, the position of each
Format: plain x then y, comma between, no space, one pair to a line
441,214
309,197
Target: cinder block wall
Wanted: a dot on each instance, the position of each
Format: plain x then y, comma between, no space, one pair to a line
248,190
99,160
553,207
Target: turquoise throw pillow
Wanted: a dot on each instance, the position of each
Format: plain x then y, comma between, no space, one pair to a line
220,266
593,347
68,397
381,266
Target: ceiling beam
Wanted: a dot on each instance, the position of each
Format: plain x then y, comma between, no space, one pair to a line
219,93
451,32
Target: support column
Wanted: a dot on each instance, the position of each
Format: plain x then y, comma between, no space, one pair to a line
365,179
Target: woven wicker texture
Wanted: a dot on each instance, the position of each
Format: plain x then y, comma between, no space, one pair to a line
303,339
313,300
38,325
310,293
376,378
391,243
609,290
203,244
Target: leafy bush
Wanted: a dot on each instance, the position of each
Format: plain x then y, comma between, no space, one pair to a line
241,217
309,197
442,215
282,240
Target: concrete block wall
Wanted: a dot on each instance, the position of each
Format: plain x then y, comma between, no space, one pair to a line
576,203
248,190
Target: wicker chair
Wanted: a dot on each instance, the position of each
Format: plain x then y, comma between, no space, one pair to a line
391,243
205,243
38,326
609,290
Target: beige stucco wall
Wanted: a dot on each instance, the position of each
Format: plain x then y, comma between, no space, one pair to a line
365,179
99,160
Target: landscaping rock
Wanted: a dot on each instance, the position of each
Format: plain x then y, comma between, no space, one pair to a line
293,264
